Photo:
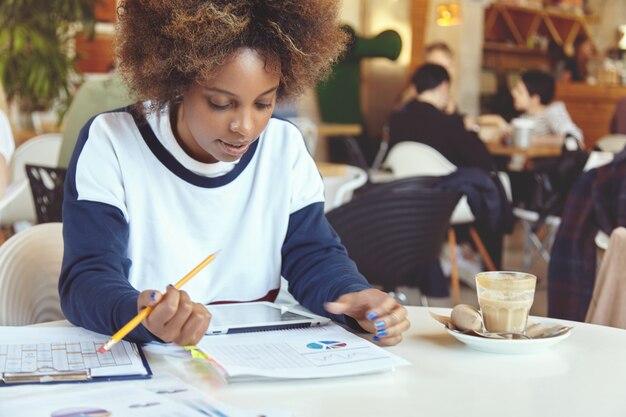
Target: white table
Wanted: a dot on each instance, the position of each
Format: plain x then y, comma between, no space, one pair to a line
584,375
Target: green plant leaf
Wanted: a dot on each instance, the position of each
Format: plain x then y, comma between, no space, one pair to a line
34,65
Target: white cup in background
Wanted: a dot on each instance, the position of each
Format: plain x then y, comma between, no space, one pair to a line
522,131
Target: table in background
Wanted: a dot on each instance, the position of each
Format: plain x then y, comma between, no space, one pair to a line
522,159
339,129
498,149
582,375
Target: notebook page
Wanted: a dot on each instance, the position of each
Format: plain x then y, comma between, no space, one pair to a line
315,352
52,350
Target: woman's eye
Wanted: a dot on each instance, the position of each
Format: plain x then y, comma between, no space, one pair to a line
263,106
219,106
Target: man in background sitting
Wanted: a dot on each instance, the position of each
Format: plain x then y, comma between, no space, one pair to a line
423,119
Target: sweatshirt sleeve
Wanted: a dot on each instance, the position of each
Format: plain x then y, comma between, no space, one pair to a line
314,261
316,264
94,289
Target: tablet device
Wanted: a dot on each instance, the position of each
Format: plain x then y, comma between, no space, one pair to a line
258,316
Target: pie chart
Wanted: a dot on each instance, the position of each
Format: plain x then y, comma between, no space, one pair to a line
326,345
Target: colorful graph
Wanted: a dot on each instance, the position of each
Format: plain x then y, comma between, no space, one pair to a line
326,345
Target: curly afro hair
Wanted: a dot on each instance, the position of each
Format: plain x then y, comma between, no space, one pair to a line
165,46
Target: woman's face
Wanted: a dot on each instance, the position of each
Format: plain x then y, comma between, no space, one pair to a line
220,118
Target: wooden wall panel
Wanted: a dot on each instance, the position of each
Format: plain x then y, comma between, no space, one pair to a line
591,107
106,10
419,19
96,55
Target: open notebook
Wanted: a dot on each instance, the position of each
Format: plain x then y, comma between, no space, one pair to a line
315,352
65,354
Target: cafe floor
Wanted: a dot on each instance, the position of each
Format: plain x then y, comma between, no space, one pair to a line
511,261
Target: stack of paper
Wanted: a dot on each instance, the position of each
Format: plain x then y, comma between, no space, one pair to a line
316,352
46,354
163,396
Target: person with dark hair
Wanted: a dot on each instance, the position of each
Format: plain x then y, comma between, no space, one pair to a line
440,53
533,96
539,83
200,165
435,53
424,120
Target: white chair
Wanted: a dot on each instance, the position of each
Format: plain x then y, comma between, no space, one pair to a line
612,143
409,159
339,183
17,204
30,264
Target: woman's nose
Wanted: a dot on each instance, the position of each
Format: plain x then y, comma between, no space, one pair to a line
241,125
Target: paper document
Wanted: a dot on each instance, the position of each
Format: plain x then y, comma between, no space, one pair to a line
45,354
163,396
316,352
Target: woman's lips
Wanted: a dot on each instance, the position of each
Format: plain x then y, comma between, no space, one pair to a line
234,149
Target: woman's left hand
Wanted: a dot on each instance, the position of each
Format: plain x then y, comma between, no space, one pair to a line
376,312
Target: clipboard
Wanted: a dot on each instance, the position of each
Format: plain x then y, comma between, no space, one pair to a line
30,355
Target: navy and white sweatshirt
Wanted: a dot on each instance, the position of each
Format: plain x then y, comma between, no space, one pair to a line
139,213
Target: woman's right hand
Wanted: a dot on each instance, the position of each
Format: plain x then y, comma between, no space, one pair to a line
175,317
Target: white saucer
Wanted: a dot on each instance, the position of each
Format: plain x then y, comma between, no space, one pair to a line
508,346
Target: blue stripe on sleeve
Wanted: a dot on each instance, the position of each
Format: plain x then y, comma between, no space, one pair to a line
316,264
93,286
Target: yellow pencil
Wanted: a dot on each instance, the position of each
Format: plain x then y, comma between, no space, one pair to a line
147,310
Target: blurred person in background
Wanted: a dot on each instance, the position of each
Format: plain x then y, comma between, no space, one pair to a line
424,119
533,97
7,144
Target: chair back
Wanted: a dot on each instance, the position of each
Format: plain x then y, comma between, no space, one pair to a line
30,264
46,185
612,143
395,230
338,189
409,159
39,150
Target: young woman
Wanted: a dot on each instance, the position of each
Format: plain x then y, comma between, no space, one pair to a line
201,166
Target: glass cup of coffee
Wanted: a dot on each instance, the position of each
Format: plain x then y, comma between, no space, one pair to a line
505,299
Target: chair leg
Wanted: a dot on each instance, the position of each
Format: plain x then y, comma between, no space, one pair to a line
527,261
455,287
481,248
